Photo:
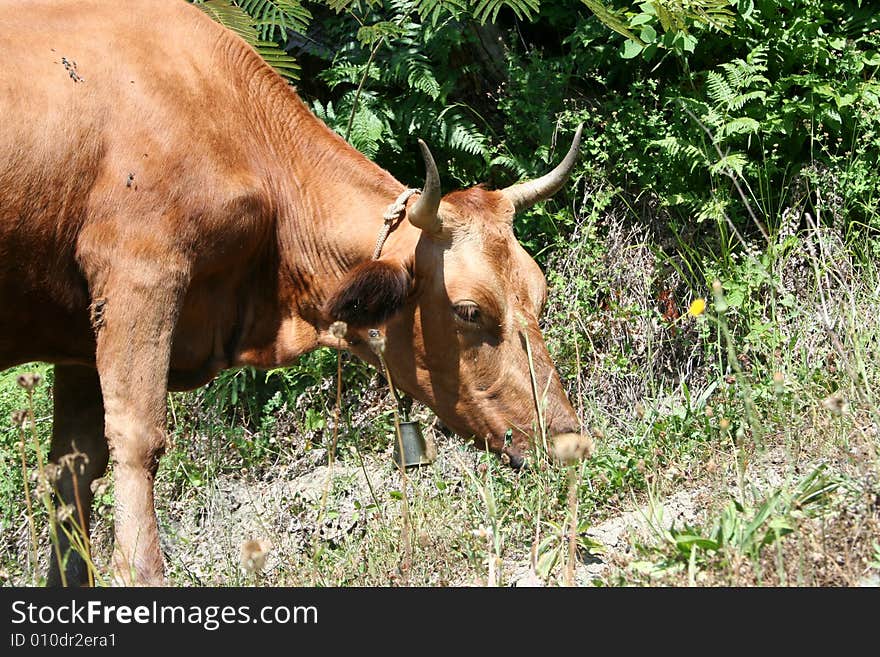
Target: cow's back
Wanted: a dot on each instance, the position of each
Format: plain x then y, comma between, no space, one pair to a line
115,115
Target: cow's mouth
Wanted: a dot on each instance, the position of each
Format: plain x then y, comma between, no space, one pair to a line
514,459
509,454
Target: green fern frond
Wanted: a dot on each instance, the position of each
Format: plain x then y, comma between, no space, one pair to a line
736,73
324,112
740,126
612,20
715,13
719,89
732,163
677,148
236,19
371,34
451,128
434,10
348,73
739,101
408,65
278,59
274,17
712,118
758,57
670,144
463,136
714,209
741,74
367,129
486,11
420,76
511,164
677,16
231,17
345,5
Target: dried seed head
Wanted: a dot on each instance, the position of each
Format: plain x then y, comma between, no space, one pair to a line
836,404
74,461
724,424
778,383
711,466
52,472
29,380
20,419
99,486
640,411
42,486
338,330
424,539
253,555
65,512
376,341
570,448
709,411
483,532
640,466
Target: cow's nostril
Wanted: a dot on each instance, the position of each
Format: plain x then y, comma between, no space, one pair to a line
514,458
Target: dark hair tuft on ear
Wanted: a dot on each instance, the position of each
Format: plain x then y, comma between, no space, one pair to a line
369,294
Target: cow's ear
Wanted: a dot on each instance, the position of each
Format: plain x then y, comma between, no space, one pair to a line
370,294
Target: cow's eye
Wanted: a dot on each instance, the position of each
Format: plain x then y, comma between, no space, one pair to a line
467,311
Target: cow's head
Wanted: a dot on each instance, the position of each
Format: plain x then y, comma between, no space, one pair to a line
460,314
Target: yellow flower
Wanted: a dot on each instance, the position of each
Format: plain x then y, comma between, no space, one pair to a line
697,307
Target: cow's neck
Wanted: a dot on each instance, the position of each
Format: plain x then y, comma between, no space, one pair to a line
328,201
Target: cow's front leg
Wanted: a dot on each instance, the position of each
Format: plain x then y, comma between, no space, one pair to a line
80,450
134,328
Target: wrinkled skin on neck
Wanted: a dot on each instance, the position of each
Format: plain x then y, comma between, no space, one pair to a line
461,341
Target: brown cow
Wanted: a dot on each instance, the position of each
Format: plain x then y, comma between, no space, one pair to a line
169,207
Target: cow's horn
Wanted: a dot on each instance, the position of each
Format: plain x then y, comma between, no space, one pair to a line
525,194
425,211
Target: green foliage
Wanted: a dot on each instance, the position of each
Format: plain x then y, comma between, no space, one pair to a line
670,25
740,530
753,91
487,10
14,398
274,17
260,23
387,87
